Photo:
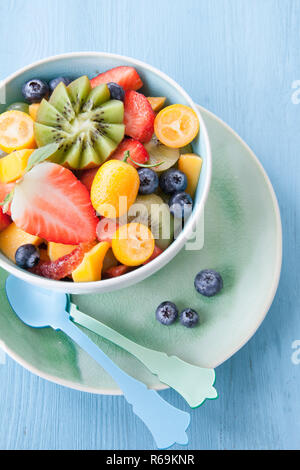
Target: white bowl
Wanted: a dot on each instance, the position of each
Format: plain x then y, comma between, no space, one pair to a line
156,83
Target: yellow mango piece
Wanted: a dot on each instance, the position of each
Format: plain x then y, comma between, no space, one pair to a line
190,164
12,166
90,268
33,109
57,250
12,237
157,102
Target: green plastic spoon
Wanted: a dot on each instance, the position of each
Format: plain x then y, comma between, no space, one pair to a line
195,384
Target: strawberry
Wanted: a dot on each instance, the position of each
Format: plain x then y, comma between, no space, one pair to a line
138,116
157,251
116,271
51,203
5,220
64,266
136,151
87,176
5,189
106,229
126,77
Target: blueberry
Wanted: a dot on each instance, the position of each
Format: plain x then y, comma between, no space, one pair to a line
148,181
208,282
173,181
35,90
27,256
181,205
56,81
116,91
166,313
189,318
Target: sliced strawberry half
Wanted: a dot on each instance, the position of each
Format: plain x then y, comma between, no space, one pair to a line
137,152
126,77
138,116
50,202
5,189
87,177
5,220
106,229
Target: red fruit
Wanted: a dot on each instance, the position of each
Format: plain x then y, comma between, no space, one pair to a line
105,229
5,189
51,203
138,116
136,150
157,251
116,271
125,76
63,266
87,176
5,220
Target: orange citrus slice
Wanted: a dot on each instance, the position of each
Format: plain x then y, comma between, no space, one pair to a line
16,131
176,125
133,244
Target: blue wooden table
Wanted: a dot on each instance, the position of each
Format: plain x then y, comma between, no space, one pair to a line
240,59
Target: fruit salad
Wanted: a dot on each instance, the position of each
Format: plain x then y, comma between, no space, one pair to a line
94,175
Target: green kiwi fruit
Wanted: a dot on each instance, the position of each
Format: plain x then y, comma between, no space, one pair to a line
85,122
158,152
151,210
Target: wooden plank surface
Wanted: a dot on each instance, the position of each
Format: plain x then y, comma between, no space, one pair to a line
238,58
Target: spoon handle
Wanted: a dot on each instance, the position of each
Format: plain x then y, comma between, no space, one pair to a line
195,384
166,423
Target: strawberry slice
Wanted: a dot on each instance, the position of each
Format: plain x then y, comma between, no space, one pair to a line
157,251
51,203
126,77
116,271
138,116
87,177
136,151
64,266
5,220
106,229
5,189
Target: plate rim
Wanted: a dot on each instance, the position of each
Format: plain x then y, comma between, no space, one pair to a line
269,298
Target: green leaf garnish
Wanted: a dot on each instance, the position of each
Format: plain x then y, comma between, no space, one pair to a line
6,202
41,154
143,165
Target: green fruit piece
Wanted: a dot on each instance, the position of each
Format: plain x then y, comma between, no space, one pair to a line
97,96
186,149
61,101
23,107
86,123
78,92
151,210
159,152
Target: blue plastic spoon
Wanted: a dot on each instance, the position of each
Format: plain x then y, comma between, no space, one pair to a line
41,308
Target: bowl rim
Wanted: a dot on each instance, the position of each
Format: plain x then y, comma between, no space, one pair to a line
147,270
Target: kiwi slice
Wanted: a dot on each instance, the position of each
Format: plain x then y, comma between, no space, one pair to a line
85,122
151,210
159,152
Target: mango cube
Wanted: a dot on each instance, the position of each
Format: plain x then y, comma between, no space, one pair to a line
157,102
190,164
33,110
57,250
12,237
90,269
12,166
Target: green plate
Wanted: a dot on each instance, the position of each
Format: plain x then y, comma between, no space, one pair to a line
242,240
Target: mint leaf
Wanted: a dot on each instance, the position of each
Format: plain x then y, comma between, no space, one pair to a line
41,154
6,202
